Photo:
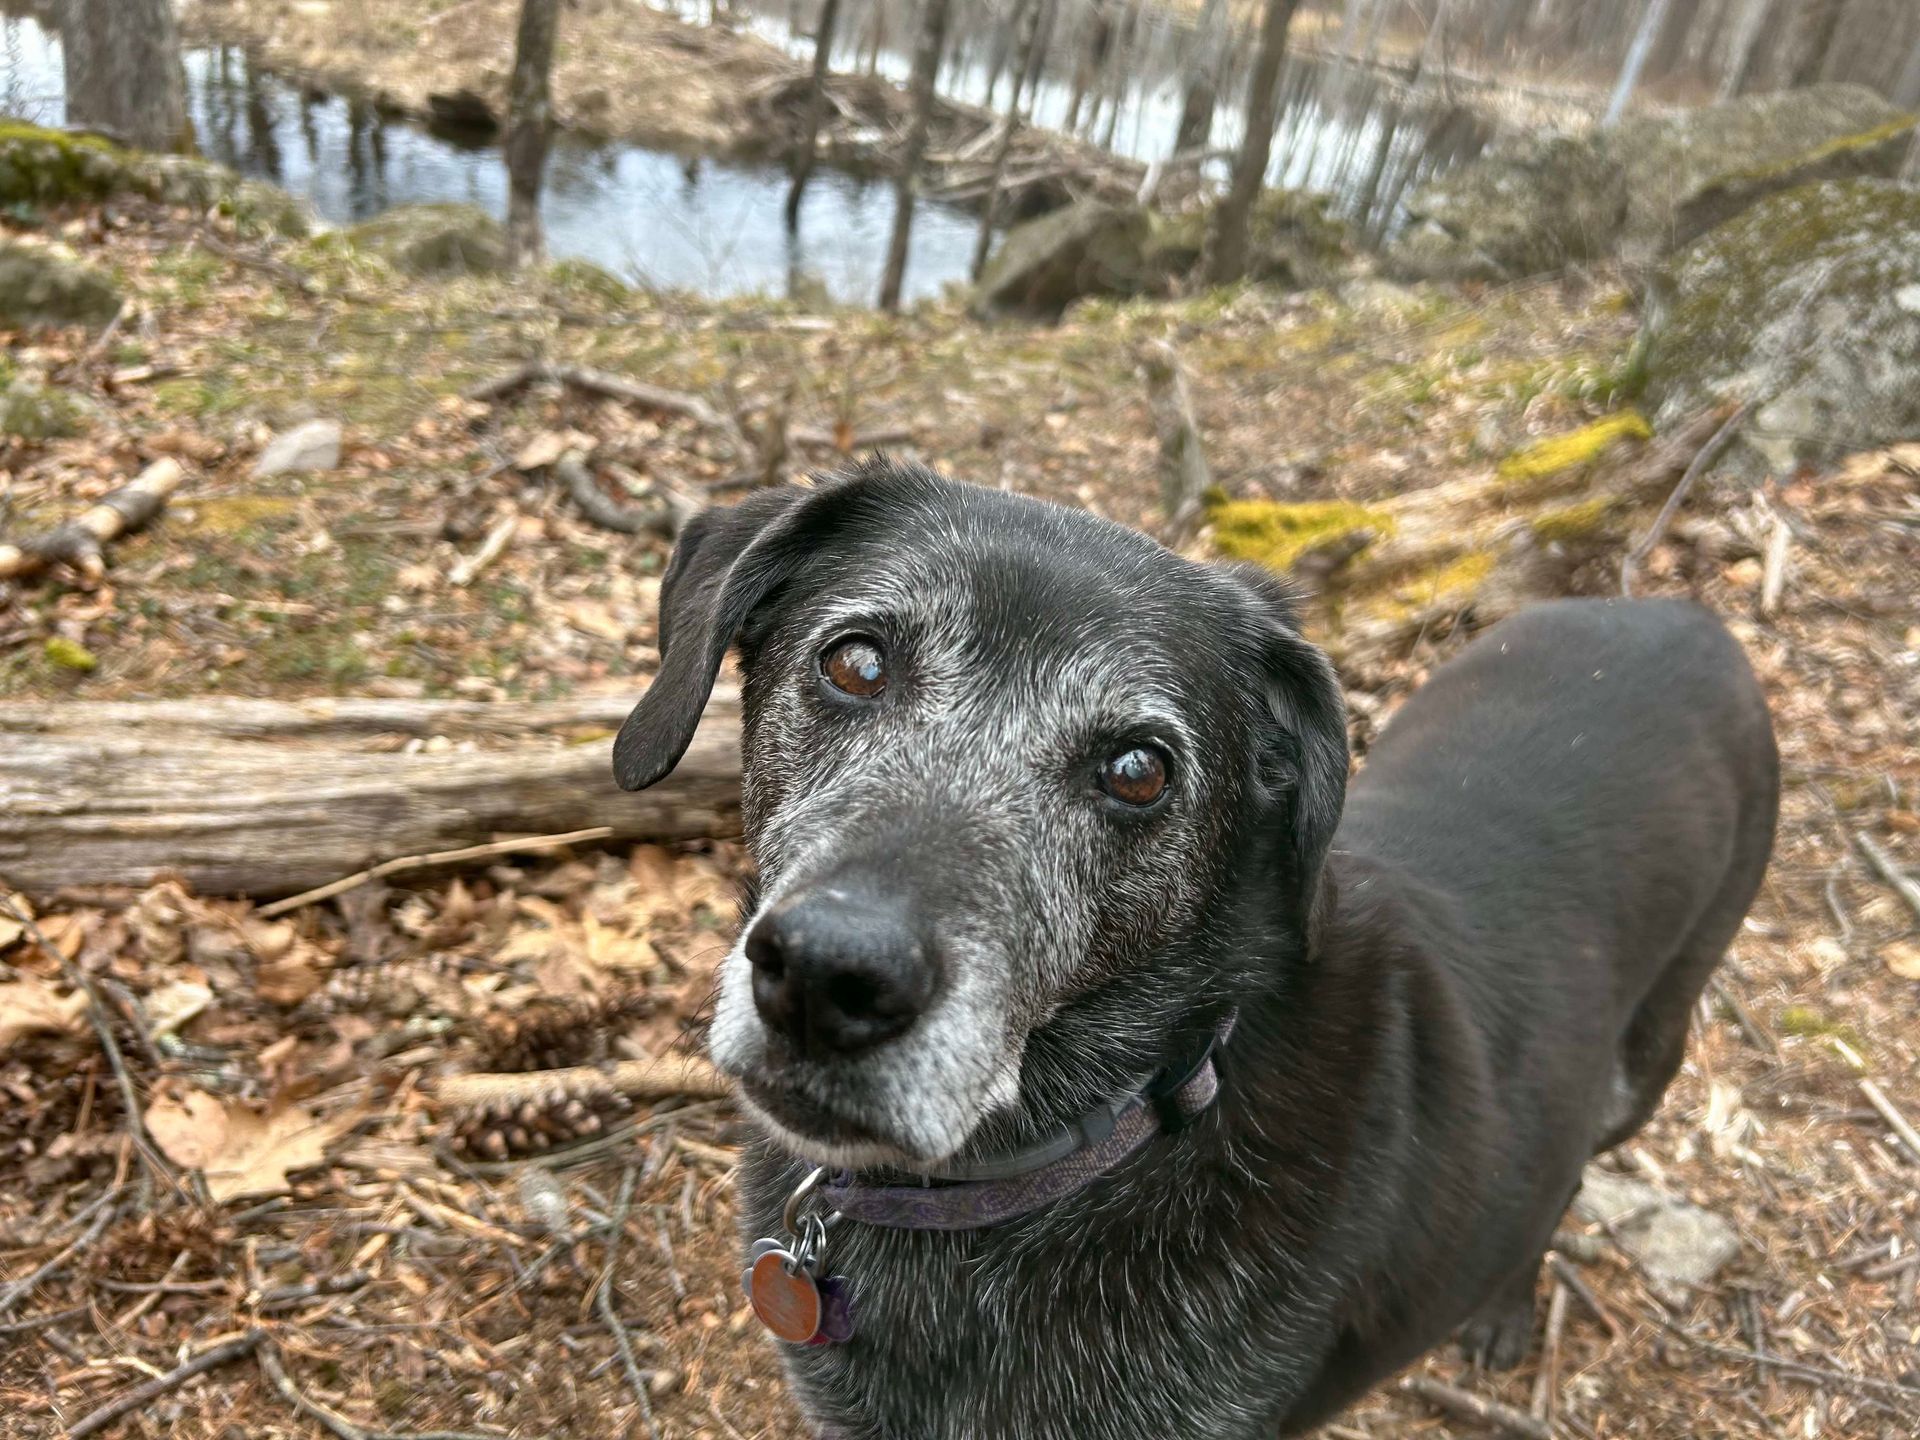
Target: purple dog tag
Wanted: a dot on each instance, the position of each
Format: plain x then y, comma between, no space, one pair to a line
836,1311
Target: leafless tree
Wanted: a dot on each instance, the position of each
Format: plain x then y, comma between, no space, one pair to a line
926,70
529,128
1226,259
1027,49
1906,90
803,155
1637,53
1201,88
1809,40
123,72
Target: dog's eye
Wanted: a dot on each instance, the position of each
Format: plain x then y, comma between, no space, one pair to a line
1135,777
854,666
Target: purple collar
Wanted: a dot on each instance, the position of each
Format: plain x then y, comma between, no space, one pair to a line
1001,1188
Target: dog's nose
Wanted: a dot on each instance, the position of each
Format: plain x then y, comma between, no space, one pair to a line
836,972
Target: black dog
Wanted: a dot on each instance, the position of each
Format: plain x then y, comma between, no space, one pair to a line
1157,1098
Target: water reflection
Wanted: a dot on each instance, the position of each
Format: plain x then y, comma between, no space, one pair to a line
658,218
1363,137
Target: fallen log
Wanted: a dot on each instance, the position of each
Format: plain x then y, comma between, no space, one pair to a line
259,797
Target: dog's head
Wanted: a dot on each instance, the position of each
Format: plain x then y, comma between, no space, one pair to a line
1025,789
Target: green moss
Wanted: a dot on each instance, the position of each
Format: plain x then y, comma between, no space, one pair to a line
237,514
65,654
1569,524
1277,535
1832,149
1804,1021
1559,455
33,412
51,167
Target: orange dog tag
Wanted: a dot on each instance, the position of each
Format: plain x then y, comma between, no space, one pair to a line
786,1300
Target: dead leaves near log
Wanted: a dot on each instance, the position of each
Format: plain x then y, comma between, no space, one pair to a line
80,543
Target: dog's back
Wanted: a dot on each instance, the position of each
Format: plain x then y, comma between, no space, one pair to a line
1578,810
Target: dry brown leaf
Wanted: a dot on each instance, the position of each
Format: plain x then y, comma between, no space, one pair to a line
12,929
174,1004
1903,959
31,1007
241,1153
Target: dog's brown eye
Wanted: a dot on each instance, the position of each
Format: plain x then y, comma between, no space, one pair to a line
856,667
1135,777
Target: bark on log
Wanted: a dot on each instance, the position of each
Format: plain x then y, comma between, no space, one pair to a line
263,797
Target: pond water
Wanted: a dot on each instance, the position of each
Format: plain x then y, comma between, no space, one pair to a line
652,217
1353,133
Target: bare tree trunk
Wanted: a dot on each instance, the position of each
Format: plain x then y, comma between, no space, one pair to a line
1637,53
1809,40
1670,49
1906,90
1227,244
529,128
1742,58
265,797
1029,55
1202,90
1086,68
926,69
123,72
803,157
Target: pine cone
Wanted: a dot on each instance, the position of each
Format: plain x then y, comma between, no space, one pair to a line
553,1034
510,1131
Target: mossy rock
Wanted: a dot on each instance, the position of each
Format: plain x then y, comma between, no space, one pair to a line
1087,248
39,166
51,167
1811,298
1693,170
30,411
583,280
434,240
1293,239
1534,204
1529,205
42,287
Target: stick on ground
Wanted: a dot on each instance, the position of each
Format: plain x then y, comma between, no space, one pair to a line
402,863
209,1359
1706,455
655,1079
1904,885
1455,1401
79,543
1890,1112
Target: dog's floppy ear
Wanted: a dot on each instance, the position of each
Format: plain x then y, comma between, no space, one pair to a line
1303,699
726,562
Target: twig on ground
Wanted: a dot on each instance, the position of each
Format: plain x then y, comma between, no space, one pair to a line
265,264
327,1285
604,1301
79,542
464,571
1796,1369
1705,456
1890,1112
212,1358
1907,888
338,1424
655,519
106,336
662,1076
1455,1401
601,382
136,1127
1546,1385
35,1322
403,863
1756,1037
1773,579
1570,1277
16,1290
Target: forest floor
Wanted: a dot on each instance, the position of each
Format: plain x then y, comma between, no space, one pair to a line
404,1276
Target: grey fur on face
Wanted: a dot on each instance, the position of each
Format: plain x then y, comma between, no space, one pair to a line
978,776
